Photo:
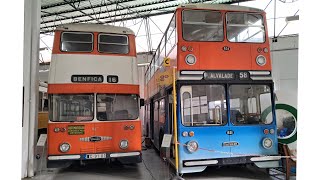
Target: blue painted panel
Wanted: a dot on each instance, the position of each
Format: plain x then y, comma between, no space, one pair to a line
209,138
250,139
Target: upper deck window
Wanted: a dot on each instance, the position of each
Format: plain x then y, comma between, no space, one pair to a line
245,27
199,25
76,42
114,44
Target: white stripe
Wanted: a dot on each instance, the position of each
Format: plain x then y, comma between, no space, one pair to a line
192,72
190,78
259,72
194,163
124,154
265,158
261,78
64,157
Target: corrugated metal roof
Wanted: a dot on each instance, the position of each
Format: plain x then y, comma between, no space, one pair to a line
57,12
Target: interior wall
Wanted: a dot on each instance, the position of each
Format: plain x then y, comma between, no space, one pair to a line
284,54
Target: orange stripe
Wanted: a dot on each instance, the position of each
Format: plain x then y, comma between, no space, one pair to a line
93,88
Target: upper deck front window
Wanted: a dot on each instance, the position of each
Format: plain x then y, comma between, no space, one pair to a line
114,44
76,42
199,25
245,27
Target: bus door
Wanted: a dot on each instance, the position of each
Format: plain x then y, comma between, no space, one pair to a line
156,124
169,121
204,112
248,121
151,105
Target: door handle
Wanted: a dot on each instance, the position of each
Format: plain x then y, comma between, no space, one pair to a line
230,132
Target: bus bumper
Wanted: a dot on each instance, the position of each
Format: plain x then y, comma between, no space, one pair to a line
55,161
266,161
199,165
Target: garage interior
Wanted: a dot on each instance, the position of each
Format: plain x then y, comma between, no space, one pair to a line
148,19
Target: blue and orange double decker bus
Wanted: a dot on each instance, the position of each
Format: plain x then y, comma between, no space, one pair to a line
224,89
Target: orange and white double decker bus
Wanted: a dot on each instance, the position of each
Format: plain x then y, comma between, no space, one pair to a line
209,84
93,95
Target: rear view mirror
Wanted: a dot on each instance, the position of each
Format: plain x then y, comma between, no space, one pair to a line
141,102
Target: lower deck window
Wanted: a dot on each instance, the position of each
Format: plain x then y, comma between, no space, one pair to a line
253,100
71,107
117,107
203,105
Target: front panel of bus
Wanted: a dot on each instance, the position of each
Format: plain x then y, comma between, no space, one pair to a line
225,89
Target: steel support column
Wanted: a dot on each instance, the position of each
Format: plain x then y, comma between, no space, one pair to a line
30,85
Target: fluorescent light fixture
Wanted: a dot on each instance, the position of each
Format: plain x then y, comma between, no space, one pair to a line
143,64
292,18
42,49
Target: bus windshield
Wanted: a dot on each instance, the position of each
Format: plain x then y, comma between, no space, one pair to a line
203,105
245,27
71,107
117,107
248,102
199,25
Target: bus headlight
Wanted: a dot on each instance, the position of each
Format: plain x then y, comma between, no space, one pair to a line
190,59
267,143
192,146
124,144
261,60
64,147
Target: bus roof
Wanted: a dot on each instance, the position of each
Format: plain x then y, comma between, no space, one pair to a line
219,7
88,27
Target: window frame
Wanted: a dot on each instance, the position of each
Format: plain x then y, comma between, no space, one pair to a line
239,25
77,32
51,111
110,34
182,105
271,99
96,107
222,23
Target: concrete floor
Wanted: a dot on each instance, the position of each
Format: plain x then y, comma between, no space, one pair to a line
152,168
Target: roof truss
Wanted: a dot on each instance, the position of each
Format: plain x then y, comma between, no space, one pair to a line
57,12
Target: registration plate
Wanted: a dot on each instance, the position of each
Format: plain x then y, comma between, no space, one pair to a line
96,156
230,144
